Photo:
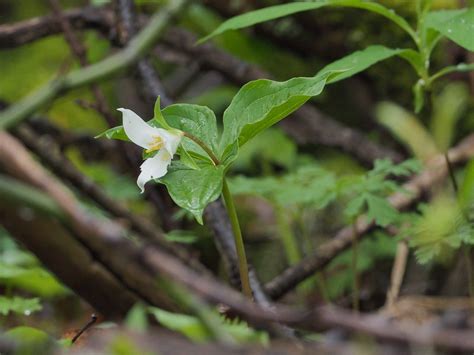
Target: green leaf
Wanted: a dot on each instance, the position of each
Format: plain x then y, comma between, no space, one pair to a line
33,279
193,189
355,207
408,129
181,236
194,329
200,121
457,25
159,116
136,319
278,11
261,103
20,305
186,158
188,325
380,210
466,190
359,61
30,341
448,108
114,133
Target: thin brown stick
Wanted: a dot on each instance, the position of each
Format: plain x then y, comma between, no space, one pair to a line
84,328
398,272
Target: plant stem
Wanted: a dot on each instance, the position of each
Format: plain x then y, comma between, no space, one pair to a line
239,242
355,275
203,146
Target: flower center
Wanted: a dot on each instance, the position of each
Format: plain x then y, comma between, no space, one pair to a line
156,144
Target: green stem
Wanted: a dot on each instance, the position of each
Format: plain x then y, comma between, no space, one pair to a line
239,242
203,146
355,275
93,73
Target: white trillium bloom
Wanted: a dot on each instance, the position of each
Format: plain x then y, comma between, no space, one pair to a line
151,139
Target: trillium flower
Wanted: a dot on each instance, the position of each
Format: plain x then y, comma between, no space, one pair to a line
151,139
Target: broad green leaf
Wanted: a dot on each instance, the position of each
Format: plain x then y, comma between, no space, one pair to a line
261,103
457,25
407,129
200,121
20,305
194,189
278,11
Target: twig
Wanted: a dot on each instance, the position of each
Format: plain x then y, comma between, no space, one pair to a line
84,328
24,32
435,171
153,85
398,272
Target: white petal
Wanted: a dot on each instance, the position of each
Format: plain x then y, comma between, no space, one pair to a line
171,140
154,168
137,130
